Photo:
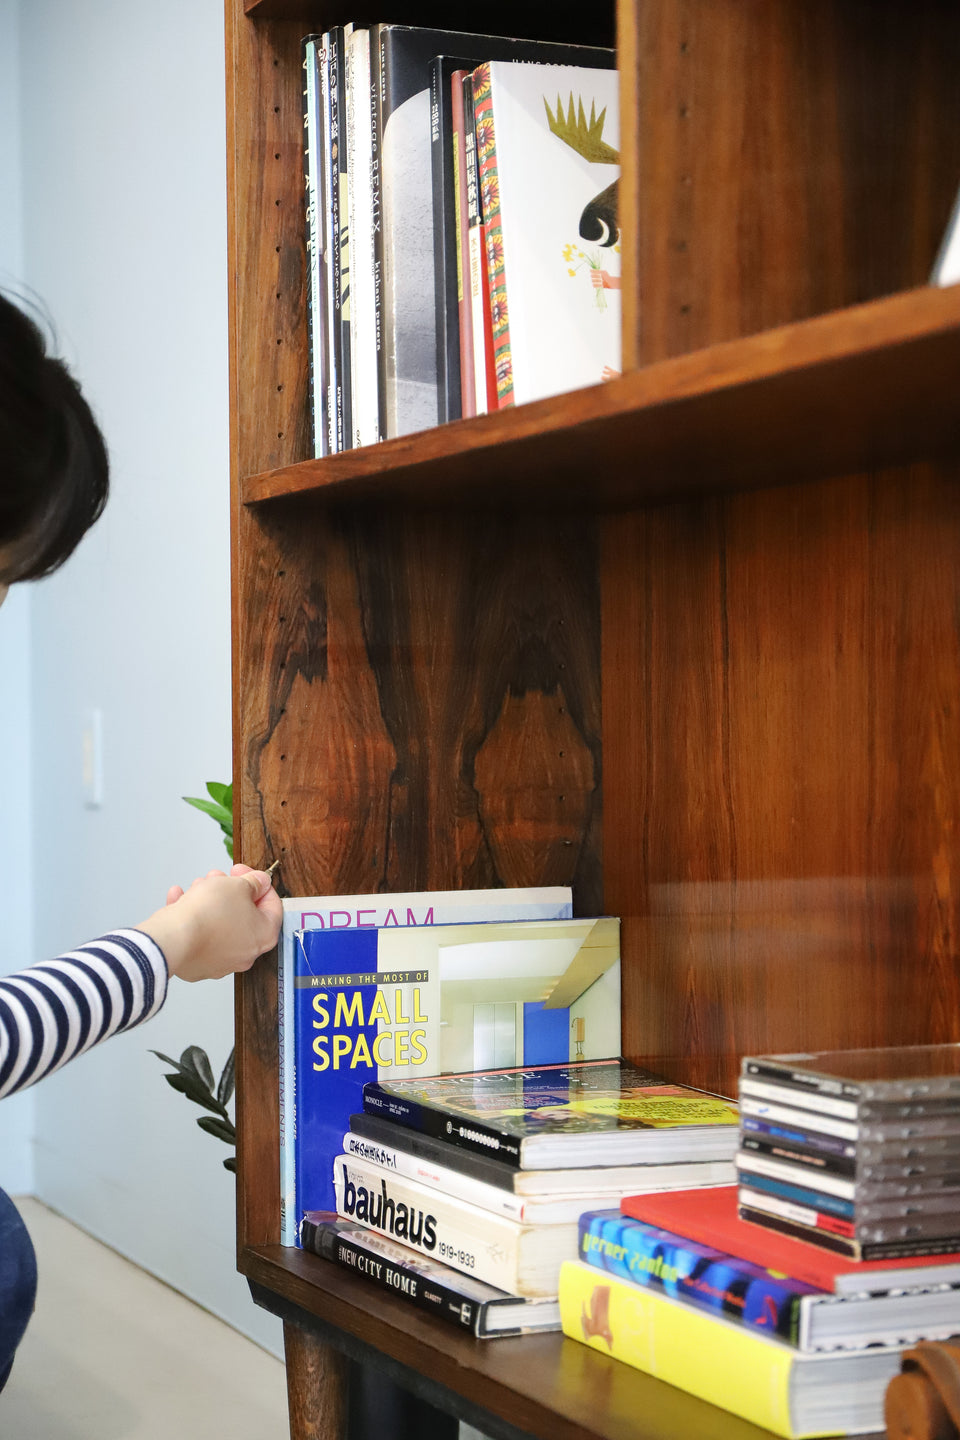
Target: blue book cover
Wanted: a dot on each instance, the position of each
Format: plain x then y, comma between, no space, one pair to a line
698,1274
386,1004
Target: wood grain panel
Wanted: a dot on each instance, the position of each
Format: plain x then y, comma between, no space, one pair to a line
793,156
781,740
316,1387
419,707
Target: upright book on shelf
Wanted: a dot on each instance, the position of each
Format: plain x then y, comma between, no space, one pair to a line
427,999
314,160
366,912
547,145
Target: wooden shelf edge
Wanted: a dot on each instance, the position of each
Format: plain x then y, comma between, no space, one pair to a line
831,393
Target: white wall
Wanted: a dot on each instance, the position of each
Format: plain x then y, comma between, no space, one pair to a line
17,1113
122,111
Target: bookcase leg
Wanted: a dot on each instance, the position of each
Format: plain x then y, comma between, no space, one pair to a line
316,1386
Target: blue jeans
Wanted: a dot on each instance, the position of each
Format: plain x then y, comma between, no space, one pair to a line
18,1283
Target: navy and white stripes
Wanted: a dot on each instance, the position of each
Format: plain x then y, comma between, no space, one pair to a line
56,1010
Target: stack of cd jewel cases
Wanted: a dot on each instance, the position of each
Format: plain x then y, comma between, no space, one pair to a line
857,1151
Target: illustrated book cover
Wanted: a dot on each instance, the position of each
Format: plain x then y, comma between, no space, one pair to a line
377,1004
590,1112
454,1297
368,912
548,157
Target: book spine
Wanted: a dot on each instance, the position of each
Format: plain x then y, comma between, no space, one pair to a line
443,173
709,1279
366,409
475,261
405,1282
475,1136
376,174
493,236
457,1234
453,1183
286,1041
342,183
312,59
736,1368
435,1151
468,389
325,203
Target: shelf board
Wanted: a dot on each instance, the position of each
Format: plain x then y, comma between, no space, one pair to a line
872,385
532,19
543,1385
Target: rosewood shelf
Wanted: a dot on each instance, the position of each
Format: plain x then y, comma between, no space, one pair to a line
534,1385
873,384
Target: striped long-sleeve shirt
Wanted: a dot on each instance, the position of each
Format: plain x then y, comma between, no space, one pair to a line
56,1010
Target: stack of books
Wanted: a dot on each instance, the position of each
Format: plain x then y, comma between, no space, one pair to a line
788,1335
462,225
480,1179
857,1151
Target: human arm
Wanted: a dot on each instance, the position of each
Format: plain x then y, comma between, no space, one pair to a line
56,1010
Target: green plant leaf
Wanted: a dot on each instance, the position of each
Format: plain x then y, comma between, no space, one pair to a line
230,1163
221,1128
220,813
197,1061
188,1083
223,794
227,1079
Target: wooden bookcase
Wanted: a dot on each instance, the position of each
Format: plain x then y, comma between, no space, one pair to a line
689,641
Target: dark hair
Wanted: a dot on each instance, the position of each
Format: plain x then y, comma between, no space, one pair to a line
53,460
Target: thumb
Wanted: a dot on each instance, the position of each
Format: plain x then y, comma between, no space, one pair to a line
257,882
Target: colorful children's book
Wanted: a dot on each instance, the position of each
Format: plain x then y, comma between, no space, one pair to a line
590,1112
547,152
400,912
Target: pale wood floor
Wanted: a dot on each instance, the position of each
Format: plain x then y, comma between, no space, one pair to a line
113,1354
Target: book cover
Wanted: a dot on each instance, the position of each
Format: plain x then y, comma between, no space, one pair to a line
409,305
753,1295
446,140
554,131
522,1259
428,999
710,1217
450,1295
314,64
553,1116
755,1376
366,912
606,1180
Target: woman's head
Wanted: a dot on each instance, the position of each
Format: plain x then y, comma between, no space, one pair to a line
53,461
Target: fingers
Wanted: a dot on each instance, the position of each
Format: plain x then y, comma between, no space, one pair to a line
174,894
241,869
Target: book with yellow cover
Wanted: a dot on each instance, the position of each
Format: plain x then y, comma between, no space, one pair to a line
758,1378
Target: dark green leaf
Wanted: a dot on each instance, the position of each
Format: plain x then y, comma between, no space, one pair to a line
221,1128
166,1059
223,794
197,1062
230,1163
177,1082
225,1087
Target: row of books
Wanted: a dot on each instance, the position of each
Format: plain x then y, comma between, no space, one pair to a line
462,225
463,1194
798,1288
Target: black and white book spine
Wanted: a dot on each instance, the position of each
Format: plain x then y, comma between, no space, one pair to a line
454,1232
338,136
448,273
376,174
434,1150
476,1136
325,202
364,391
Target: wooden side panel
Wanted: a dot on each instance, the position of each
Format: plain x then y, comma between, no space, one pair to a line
782,158
781,747
419,708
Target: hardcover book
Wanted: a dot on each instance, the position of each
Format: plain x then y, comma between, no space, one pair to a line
522,1259
736,1367
590,1112
710,1217
765,1299
547,142
606,1180
458,1299
428,999
367,912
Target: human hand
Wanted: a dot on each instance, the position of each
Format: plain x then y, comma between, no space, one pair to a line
219,926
